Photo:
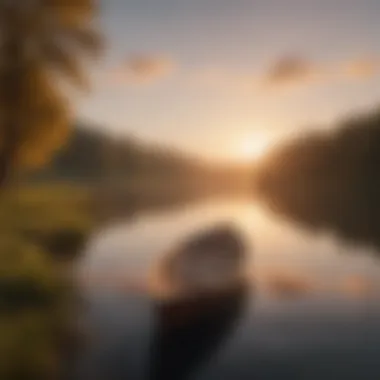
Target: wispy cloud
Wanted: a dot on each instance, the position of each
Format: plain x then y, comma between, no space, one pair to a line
143,69
295,71
361,68
287,72
290,70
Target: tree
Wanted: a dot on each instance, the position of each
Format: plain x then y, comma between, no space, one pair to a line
44,45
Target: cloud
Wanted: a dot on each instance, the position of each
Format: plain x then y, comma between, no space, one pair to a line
284,73
289,70
362,68
292,71
143,69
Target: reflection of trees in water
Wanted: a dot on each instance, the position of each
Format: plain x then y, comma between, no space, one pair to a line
179,350
329,180
357,220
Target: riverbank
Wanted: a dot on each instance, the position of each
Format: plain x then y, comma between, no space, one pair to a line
42,228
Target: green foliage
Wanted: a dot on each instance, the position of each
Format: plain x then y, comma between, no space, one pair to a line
26,274
63,216
36,296
43,45
31,292
27,348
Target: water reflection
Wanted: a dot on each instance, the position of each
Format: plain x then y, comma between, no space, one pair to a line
314,313
351,217
180,351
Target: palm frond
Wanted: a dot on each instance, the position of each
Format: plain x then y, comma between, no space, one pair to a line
70,12
42,42
64,3
86,39
60,59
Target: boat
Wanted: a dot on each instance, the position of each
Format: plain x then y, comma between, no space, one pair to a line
199,291
200,276
184,342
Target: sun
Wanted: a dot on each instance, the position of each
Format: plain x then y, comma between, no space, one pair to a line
253,148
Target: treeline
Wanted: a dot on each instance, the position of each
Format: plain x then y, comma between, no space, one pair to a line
329,179
96,158
91,155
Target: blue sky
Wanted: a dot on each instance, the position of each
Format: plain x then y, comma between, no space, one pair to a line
203,86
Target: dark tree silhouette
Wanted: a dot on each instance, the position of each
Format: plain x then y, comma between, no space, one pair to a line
329,180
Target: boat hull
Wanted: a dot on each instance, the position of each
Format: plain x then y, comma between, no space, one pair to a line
189,331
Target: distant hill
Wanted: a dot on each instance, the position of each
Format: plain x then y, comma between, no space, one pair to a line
93,157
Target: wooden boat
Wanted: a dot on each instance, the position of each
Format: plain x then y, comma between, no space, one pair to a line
200,276
189,332
199,292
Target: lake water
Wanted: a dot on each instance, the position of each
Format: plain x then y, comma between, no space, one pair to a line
312,310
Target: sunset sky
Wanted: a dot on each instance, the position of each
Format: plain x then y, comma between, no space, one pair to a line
211,76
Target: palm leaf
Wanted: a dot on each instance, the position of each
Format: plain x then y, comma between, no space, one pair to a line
60,59
86,39
70,12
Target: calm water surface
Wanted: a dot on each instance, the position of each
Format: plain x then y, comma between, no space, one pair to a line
312,311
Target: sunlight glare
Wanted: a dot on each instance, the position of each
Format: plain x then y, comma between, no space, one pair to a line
254,147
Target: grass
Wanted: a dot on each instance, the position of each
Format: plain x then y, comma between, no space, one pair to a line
41,227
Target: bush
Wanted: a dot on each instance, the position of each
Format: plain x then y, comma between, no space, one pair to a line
38,227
